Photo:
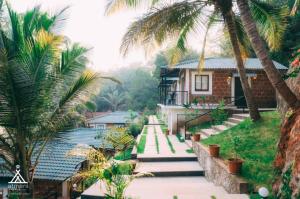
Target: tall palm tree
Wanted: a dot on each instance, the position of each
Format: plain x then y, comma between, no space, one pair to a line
262,53
42,80
183,17
115,99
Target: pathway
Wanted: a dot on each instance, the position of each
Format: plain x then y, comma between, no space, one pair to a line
175,174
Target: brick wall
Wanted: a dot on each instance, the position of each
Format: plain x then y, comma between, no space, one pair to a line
44,187
262,89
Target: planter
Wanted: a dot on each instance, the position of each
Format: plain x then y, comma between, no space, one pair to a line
214,150
196,137
235,166
167,132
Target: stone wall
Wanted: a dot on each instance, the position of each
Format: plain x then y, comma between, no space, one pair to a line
216,171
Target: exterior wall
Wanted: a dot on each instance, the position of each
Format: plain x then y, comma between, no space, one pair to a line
43,188
106,126
263,92
220,87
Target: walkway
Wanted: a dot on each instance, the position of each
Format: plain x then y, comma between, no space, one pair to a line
177,174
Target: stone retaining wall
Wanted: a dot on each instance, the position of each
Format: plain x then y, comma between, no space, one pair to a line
216,171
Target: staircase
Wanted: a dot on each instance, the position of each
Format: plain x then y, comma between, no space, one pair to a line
234,120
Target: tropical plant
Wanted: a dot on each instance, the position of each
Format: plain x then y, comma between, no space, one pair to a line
219,114
42,80
180,18
115,98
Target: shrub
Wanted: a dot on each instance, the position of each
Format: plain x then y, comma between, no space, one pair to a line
134,129
219,115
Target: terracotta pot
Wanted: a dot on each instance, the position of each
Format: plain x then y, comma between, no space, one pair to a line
196,137
167,132
235,166
214,150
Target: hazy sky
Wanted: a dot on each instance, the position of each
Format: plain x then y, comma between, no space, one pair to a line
88,25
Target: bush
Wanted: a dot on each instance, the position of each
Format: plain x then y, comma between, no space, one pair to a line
134,129
219,115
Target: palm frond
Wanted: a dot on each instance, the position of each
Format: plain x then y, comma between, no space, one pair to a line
117,5
271,21
295,7
161,24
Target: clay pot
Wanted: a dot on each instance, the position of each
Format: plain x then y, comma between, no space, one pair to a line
235,166
196,137
167,132
214,150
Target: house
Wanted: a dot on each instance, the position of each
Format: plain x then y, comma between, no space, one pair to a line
183,85
112,119
57,163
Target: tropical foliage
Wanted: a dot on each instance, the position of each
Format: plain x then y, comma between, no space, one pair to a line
42,80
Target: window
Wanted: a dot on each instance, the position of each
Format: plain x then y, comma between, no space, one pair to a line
201,82
100,126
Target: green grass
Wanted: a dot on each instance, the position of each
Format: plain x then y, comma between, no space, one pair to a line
142,143
204,125
190,150
156,141
170,144
123,155
257,147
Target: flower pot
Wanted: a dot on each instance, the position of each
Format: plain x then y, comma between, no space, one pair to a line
196,137
214,150
235,166
167,132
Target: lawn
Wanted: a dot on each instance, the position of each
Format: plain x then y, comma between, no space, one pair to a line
204,125
258,147
142,143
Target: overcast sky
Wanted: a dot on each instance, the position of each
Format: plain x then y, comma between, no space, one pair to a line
88,25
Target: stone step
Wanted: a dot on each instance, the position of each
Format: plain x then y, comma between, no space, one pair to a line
220,128
234,120
229,124
209,132
170,169
162,158
240,116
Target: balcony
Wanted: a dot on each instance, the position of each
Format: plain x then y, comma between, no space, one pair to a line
174,98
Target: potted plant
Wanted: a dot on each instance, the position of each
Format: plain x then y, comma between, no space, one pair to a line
214,150
196,136
235,164
167,132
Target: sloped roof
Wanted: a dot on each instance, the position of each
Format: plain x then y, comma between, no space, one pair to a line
118,117
224,63
55,163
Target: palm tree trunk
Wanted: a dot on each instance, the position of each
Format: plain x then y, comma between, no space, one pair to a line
254,114
259,47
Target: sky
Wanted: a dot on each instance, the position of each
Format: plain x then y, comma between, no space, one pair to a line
87,24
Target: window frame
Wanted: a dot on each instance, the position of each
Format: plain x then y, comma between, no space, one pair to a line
195,82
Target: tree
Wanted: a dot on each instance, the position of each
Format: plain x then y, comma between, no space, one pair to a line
115,99
181,18
288,154
42,80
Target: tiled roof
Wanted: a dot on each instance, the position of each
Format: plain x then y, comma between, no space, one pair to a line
223,63
118,117
55,162
88,136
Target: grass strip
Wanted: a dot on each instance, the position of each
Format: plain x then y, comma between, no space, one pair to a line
142,143
179,137
190,150
170,144
156,141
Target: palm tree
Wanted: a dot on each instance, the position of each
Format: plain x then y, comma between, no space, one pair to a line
115,99
180,18
42,80
262,53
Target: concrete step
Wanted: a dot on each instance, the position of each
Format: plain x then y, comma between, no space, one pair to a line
170,169
235,120
229,124
209,132
161,158
241,116
220,128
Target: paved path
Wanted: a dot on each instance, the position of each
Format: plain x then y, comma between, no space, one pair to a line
176,174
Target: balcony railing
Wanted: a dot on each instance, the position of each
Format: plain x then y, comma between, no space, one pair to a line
175,98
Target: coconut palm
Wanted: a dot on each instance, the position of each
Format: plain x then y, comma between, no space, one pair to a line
115,99
180,18
262,53
42,80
